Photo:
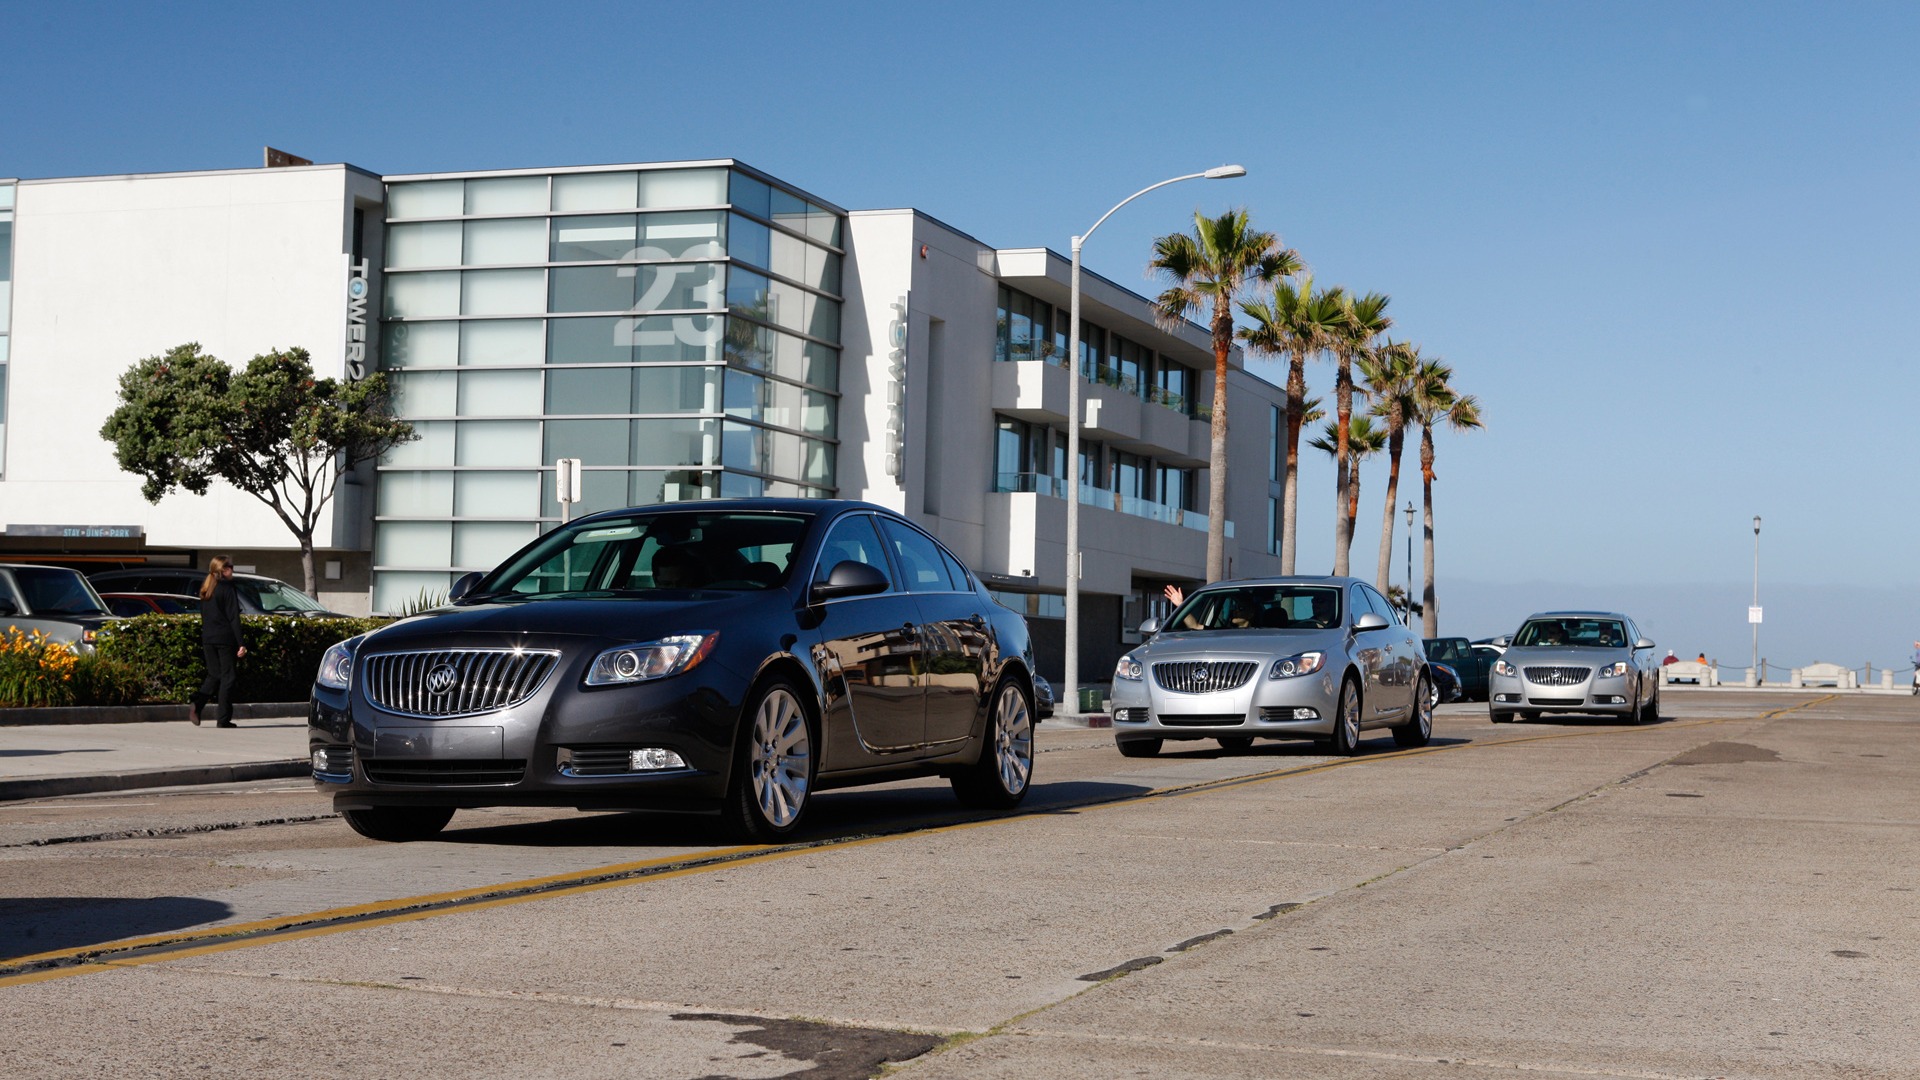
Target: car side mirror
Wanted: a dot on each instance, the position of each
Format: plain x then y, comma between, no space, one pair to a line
464,584
849,578
1150,627
1370,621
1643,643
1502,642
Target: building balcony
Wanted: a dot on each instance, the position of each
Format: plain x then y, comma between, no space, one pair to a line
1036,391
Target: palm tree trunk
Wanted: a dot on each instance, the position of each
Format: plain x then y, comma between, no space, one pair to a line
1290,489
1430,618
1342,530
1217,452
1396,441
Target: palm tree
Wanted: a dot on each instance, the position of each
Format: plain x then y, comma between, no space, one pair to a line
1391,374
1366,319
1437,404
1222,257
1364,439
1298,323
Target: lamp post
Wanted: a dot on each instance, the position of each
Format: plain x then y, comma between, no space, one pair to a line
1070,689
1753,615
1409,563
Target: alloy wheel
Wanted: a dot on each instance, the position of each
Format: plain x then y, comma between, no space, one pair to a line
1013,739
781,761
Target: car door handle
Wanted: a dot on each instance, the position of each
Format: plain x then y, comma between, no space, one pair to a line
909,630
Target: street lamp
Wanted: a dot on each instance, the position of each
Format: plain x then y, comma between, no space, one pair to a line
1070,688
1409,563
1753,613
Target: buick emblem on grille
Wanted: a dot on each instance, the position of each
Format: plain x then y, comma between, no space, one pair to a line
442,678
1200,674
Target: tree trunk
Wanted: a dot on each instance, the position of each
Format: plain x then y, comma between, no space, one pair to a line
1217,455
1396,441
1290,489
306,562
1343,406
1429,618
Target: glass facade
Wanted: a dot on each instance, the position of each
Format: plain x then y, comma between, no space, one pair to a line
1032,329
6,309
676,329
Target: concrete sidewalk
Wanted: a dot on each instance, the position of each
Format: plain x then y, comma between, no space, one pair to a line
43,760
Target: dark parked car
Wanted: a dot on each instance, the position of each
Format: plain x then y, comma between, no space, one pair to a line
127,605
1446,682
54,600
258,595
1472,661
730,655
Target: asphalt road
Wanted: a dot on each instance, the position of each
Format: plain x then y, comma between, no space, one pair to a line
1731,892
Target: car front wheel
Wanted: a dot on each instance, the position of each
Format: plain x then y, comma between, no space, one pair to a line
774,768
1346,721
999,780
1419,730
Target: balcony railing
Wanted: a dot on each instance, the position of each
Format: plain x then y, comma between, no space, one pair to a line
1131,505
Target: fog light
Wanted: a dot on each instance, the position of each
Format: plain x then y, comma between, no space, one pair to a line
1506,697
1304,713
653,759
320,761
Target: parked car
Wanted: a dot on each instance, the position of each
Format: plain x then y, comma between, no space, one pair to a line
1471,661
737,656
1283,658
1576,662
127,605
259,595
55,600
1446,682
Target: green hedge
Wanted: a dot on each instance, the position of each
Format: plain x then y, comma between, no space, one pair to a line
283,652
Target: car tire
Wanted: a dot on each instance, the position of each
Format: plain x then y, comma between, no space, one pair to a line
1000,778
1651,714
1418,731
1346,721
1499,716
1529,716
1235,743
1138,747
398,824
773,766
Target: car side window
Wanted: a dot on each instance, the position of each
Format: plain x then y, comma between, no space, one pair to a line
961,580
1380,605
919,558
852,539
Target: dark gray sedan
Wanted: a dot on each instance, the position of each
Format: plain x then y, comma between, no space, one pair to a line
1576,662
1280,658
733,656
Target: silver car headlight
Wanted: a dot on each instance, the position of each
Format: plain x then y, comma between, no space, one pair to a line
336,666
1501,667
651,660
1615,669
1290,667
1129,668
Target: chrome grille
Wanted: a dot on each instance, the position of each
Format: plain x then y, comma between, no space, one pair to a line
483,680
1557,676
1203,677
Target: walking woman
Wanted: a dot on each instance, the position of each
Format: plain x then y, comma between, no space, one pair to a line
220,640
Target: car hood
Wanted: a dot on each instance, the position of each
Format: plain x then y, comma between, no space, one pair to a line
1196,644
615,620
1561,656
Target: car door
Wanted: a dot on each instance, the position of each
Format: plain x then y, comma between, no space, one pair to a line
952,623
1373,650
869,654
1407,651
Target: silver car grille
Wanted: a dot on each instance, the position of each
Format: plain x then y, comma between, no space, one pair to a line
444,683
1203,677
1558,676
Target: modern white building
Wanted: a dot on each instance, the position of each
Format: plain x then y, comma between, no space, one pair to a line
685,329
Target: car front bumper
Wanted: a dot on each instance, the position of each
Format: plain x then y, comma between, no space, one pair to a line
1296,708
1611,694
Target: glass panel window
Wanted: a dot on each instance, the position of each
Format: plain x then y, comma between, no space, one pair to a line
499,393
750,195
507,240
507,195
594,442
428,243
415,494
592,288
425,198
657,487
789,210
690,286
698,235
427,344
750,397
594,191
410,296
424,393
600,340
823,269
433,446
676,389
576,391
823,225
495,494
683,187
498,442
750,242
482,545
665,339
412,543
591,239
503,292
394,591
502,342
6,196
676,442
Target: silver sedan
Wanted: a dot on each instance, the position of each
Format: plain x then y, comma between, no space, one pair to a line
1578,662
1282,658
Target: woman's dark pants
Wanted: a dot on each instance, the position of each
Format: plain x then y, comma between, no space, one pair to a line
219,680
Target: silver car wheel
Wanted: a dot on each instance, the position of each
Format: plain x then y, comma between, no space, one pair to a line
1423,712
1013,739
781,758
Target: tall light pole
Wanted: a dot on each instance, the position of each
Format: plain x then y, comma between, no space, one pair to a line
1409,563
1070,690
1753,614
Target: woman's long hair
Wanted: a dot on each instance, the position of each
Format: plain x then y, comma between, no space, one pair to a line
216,568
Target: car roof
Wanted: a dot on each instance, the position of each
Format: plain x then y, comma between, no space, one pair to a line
1575,615
763,506
181,570
1286,579
33,566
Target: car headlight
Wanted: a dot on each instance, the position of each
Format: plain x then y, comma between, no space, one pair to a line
1288,667
1501,667
336,666
651,660
1615,669
1129,668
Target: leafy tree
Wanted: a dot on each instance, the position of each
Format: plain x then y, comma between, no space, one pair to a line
1296,322
1393,376
1366,319
272,430
1364,439
1212,266
1437,404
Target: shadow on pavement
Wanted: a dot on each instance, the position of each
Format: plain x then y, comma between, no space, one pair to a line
30,925
49,753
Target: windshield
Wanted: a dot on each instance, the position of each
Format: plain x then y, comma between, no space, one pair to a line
274,597
51,591
1573,631
672,552
1259,607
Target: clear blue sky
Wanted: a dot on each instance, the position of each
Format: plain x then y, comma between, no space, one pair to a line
1672,247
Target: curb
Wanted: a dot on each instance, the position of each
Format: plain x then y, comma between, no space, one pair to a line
47,787
143,714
